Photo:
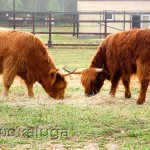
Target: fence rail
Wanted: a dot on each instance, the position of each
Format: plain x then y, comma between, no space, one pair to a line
75,23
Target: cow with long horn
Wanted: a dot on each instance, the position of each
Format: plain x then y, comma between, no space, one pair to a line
122,54
23,54
92,79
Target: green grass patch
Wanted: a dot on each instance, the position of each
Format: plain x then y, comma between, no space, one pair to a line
129,125
63,39
72,58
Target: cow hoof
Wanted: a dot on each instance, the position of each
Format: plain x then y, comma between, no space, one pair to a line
112,95
127,95
5,95
30,96
140,101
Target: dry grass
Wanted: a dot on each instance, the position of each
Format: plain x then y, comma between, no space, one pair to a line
102,99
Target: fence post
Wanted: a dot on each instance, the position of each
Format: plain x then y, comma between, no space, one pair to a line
33,23
105,12
124,20
50,28
14,20
74,24
100,28
77,22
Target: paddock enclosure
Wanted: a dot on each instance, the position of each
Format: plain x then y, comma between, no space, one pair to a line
81,25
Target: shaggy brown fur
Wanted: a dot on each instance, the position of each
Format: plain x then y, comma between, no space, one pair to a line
122,55
89,80
23,54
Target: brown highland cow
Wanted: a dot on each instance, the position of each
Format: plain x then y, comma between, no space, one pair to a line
24,55
121,55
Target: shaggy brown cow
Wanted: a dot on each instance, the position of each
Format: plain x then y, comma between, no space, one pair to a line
122,55
23,54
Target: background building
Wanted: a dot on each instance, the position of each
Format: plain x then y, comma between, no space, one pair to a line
133,12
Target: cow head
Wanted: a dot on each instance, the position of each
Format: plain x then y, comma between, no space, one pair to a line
55,84
92,79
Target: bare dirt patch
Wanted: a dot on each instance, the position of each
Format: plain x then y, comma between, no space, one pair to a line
50,146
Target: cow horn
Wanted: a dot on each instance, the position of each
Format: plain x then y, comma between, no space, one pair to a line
103,67
64,68
75,71
98,70
67,74
80,70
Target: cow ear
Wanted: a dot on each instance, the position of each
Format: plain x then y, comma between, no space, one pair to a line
105,74
53,76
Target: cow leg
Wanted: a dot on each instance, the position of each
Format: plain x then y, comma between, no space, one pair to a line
8,78
142,95
126,83
114,84
6,89
30,89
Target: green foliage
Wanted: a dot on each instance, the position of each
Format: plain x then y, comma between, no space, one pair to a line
39,5
6,5
54,5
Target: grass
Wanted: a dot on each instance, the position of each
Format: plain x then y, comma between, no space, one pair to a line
69,39
103,123
63,39
127,127
74,59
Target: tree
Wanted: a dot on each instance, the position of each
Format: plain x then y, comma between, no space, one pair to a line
6,5
55,5
70,5
39,5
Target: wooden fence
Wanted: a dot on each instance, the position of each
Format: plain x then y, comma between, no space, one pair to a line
78,24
